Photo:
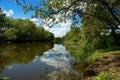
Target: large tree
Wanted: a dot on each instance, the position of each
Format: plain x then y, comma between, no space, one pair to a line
74,9
2,22
24,30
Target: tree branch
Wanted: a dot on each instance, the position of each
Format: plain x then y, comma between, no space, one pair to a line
110,10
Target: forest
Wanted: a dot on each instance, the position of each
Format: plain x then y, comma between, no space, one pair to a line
21,30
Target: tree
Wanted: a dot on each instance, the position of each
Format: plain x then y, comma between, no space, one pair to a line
10,34
2,18
48,35
99,30
73,35
2,22
104,13
11,22
24,30
98,16
74,8
92,27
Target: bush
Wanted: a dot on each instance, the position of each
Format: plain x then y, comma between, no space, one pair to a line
108,75
85,50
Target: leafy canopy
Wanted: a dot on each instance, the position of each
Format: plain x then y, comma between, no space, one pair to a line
72,9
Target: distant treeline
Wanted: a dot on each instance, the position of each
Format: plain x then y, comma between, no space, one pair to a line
21,30
58,40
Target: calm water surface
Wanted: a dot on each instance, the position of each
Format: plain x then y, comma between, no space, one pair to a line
35,61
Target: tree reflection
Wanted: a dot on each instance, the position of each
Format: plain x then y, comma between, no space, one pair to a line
21,53
61,75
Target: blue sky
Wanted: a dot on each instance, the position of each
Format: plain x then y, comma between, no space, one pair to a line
17,10
13,10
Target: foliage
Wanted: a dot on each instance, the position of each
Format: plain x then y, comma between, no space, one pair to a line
2,22
108,75
2,18
93,34
74,9
21,53
94,30
73,35
91,40
24,30
85,50
4,78
100,20
21,30
10,34
58,40
99,53
94,21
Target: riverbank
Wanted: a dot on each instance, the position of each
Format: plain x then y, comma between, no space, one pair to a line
96,62
101,62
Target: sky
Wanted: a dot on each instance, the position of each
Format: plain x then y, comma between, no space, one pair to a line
13,10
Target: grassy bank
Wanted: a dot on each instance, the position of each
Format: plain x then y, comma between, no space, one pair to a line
98,54
103,65
98,64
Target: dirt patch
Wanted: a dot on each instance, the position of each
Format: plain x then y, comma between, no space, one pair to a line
103,64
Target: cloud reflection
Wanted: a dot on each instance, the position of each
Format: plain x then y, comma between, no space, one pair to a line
58,57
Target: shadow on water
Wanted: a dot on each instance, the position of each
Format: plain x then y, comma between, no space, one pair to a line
21,53
37,61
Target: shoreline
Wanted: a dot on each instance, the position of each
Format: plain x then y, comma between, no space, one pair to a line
102,64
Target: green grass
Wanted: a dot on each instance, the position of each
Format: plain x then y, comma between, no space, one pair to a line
108,75
98,54
4,78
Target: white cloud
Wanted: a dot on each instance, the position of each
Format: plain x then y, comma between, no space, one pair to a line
36,21
60,29
59,32
9,13
62,61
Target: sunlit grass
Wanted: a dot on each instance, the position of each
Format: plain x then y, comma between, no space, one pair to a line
4,78
98,54
108,75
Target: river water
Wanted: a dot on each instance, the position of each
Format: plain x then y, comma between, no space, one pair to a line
37,61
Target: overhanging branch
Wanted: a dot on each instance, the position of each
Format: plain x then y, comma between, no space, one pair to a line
110,10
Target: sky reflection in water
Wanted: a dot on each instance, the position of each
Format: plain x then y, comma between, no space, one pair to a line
54,60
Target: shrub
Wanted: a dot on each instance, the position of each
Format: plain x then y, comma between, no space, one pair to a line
108,75
85,50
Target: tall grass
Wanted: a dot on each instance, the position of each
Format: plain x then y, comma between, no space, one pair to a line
98,54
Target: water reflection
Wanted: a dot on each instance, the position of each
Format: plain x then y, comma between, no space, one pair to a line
25,62
58,57
62,61
21,53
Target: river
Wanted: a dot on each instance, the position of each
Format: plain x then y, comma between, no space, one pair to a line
37,61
